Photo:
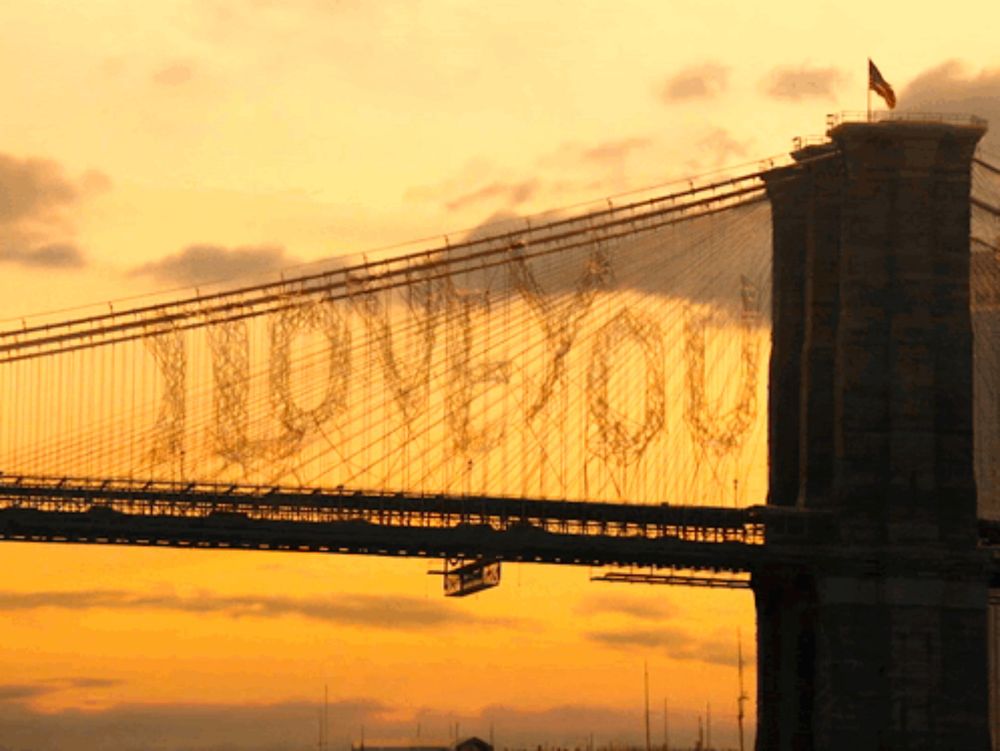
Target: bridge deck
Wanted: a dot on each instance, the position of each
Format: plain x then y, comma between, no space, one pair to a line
133,512
324,520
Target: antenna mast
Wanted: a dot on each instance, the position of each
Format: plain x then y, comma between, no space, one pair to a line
645,674
742,698
666,727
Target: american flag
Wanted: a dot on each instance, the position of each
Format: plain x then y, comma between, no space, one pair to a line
879,85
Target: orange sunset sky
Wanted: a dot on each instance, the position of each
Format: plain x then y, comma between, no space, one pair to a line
149,146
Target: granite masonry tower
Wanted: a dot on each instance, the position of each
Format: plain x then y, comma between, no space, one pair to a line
878,640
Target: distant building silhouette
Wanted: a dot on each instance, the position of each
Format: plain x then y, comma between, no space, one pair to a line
471,743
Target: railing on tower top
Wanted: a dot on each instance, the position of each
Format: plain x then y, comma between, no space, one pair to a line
801,142
836,118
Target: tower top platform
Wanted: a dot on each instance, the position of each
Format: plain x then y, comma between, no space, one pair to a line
891,118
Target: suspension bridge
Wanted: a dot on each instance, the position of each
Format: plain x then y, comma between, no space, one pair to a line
759,380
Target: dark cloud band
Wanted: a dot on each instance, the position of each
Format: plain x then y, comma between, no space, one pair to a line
37,199
696,82
198,264
398,613
670,641
952,88
802,82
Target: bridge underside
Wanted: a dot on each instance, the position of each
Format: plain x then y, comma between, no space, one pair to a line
391,524
325,520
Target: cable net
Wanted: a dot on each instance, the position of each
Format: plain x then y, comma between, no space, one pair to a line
985,298
615,354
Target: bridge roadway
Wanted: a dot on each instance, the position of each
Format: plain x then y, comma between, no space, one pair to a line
338,520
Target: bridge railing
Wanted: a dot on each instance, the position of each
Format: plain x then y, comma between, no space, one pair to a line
226,502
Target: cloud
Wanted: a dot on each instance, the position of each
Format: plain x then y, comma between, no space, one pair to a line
475,171
615,151
672,641
185,727
496,189
32,188
396,613
696,82
496,223
951,88
802,82
174,74
568,173
572,155
38,198
21,691
25,692
717,148
508,194
293,724
89,682
54,256
642,608
197,264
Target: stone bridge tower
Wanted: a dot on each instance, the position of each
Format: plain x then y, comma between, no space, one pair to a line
878,640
